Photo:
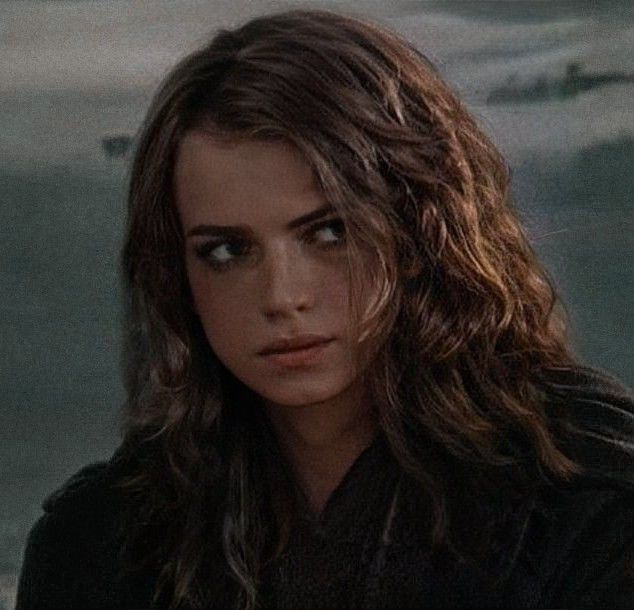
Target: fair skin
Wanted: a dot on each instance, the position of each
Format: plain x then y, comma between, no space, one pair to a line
266,260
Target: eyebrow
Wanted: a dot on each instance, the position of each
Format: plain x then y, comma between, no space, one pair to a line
205,229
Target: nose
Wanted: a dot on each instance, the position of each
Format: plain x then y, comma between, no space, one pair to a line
286,285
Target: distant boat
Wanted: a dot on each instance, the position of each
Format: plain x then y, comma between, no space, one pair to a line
542,88
116,145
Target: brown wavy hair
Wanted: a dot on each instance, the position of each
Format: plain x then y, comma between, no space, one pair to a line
466,319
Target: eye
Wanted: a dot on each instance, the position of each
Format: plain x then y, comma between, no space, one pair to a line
221,254
330,232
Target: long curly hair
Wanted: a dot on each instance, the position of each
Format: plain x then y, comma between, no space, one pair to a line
466,319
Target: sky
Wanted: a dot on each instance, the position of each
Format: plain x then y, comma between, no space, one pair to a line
72,71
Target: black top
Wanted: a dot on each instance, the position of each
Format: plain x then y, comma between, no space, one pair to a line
571,546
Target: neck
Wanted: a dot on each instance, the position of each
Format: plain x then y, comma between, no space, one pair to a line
321,441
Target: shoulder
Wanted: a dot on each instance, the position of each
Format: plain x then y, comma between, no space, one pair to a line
89,496
577,542
74,540
598,428
577,548
583,384
85,487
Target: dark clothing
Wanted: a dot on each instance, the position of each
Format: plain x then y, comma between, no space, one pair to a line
570,546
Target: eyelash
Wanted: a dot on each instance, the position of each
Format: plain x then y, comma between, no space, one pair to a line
203,251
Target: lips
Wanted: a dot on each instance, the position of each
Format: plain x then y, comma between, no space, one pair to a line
293,344
296,353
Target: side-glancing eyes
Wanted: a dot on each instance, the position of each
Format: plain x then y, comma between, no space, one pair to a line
224,252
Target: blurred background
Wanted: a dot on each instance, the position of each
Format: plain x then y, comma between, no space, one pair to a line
551,82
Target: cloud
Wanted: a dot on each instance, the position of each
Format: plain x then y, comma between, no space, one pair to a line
72,71
120,44
98,45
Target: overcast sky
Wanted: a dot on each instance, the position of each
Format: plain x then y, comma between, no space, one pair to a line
123,44
72,71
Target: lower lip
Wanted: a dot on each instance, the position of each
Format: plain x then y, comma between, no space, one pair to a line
297,358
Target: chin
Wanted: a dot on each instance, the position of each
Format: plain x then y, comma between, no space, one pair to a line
300,395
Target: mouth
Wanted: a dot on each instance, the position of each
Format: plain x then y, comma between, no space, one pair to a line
296,353
294,344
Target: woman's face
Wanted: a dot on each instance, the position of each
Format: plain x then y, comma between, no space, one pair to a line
267,265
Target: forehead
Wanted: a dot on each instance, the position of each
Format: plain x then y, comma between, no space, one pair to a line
238,180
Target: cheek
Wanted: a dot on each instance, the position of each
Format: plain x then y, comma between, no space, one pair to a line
220,313
335,293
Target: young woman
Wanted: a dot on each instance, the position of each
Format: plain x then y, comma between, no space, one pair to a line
348,379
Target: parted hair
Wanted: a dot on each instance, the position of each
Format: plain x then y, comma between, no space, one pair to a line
465,319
